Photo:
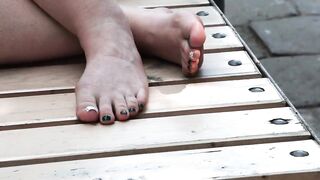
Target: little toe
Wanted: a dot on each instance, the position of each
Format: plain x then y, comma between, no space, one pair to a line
142,98
121,108
132,104
86,106
106,113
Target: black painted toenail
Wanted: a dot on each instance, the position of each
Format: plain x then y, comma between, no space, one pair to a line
106,118
141,106
124,112
132,110
202,13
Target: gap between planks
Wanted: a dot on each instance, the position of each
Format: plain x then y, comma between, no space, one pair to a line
56,79
163,101
148,136
261,161
163,3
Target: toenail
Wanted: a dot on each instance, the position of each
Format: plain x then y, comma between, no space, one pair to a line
124,112
91,108
106,118
141,106
132,110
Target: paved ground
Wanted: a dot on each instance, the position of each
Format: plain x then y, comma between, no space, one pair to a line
285,36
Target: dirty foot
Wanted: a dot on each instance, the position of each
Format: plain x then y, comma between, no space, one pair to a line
113,85
174,36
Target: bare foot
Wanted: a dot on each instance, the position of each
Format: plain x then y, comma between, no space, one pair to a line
174,36
113,85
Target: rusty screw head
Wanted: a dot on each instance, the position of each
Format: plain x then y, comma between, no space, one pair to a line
202,13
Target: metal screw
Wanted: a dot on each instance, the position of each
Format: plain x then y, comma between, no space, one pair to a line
202,13
219,35
280,121
256,89
235,63
299,153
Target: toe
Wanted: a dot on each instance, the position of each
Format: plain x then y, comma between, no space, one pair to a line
121,108
86,108
106,113
132,104
197,35
190,59
142,98
196,41
192,29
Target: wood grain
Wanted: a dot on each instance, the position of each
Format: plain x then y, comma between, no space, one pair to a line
163,3
163,101
271,161
157,134
62,78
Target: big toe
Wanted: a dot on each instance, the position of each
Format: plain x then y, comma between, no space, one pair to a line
86,106
197,34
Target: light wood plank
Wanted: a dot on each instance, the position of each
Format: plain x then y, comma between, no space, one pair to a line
163,3
212,19
62,78
230,42
271,161
154,134
163,101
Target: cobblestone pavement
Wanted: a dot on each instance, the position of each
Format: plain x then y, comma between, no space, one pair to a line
285,37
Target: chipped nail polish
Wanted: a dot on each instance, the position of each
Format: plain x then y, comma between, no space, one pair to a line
191,55
124,112
132,110
106,118
91,108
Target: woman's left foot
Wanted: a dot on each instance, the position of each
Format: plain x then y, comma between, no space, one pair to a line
174,36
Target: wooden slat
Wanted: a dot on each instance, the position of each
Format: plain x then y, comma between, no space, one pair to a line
157,134
163,3
212,19
163,101
263,161
62,78
230,42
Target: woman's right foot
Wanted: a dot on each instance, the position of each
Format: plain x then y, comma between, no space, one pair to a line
113,85
174,36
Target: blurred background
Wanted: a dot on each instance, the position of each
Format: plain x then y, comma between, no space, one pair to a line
285,37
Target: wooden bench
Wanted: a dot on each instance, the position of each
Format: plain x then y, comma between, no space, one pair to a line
231,121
